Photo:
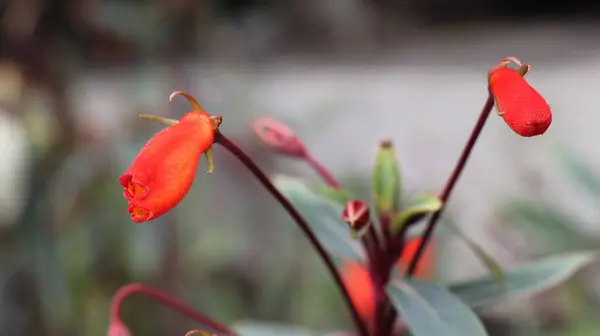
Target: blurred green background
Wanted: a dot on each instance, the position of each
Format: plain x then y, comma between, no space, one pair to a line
344,75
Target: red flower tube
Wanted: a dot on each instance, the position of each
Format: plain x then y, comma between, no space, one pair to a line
523,109
163,172
359,283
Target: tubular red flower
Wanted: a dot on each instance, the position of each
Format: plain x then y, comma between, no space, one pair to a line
523,109
359,283
163,172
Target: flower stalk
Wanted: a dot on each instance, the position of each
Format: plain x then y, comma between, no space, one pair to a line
464,157
136,288
287,205
458,169
322,171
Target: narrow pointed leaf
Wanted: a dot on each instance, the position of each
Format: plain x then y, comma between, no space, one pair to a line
584,174
419,207
323,217
524,281
548,225
430,310
488,261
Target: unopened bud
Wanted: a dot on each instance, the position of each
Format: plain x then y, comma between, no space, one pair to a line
387,181
523,109
118,328
356,215
279,137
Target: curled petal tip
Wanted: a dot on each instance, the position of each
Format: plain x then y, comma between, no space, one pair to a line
195,105
522,68
509,59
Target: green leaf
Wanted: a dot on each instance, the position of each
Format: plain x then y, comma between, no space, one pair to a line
441,230
490,263
548,225
417,208
430,310
339,196
526,280
255,328
323,217
582,173
386,180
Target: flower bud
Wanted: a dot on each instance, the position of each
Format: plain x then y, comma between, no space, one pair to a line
118,328
279,137
163,171
387,181
523,109
356,214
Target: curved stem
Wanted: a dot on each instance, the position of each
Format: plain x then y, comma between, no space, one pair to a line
460,165
322,171
127,290
287,205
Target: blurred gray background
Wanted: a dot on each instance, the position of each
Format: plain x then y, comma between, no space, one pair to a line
345,74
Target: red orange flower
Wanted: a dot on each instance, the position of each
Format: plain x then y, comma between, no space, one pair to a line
358,280
524,110
163,172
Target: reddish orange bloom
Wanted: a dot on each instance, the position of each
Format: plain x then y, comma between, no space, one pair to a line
163,172
358,280
524,110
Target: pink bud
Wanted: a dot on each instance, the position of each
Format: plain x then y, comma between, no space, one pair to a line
279,137
356,214
118,328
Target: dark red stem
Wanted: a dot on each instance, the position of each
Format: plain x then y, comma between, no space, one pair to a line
385,220
287,205
322,171
460,165
136,288
385,313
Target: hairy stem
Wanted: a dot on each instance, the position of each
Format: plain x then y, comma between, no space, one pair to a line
460,165
136,288
287,205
